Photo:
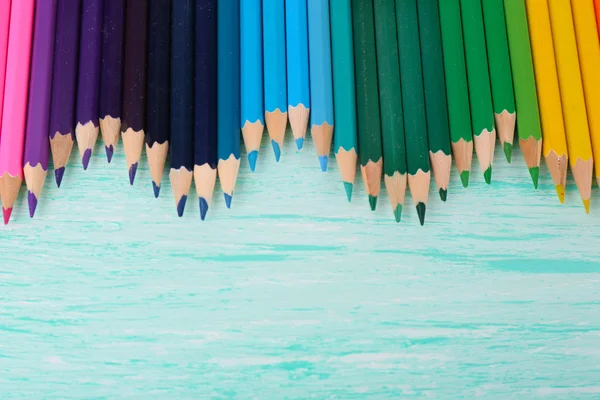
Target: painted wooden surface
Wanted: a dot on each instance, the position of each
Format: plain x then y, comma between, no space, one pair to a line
293,293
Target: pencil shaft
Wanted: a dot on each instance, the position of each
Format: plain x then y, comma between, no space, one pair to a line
159,73
296,30
111,72
205,129
274,55
320,63
40,85
251,61
4,25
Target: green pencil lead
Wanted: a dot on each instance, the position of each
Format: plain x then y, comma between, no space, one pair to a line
464,178
373,202
398,212
535,175
508,151
348,188
487,175
443,194
421,213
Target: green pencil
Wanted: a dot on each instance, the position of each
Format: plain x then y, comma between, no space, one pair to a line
457,91
435,95
500,74
480,94
344,104
369,126
529,127
392,125
413,99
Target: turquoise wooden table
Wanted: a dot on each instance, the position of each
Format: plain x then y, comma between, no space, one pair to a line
293,293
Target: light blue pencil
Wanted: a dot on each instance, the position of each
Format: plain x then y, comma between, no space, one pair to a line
253,123
275,70
297,67
321,94
228,95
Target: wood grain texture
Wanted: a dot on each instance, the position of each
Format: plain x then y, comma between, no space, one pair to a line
125,300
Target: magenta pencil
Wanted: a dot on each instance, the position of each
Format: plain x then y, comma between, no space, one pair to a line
35,158
4,23
16,89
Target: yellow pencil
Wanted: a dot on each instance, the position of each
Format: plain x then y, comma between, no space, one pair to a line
546,78
589,60
572,98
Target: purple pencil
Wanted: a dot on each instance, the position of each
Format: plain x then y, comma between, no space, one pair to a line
35,160
64,80
86,130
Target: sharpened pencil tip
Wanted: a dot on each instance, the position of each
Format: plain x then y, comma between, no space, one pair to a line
464,178
373,202
110,150
203,207
535,176
181,205
348,188
421,212
228,199
323,160
586,204
487,175
156,189
132,171
299,143
508,151
276,150
85,160
398,212
32,201
6,213
560,191
252,156
58,175
443,194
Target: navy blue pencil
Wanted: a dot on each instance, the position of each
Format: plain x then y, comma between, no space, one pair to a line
182,101
157,93
205,112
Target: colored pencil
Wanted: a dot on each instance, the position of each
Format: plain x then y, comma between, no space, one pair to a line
457,91
228,95
296,35
4,24
64,81
182,101
589,59
275,72
16,90
479,85
436,107
111,75
503,97
157,95
321,94
597,8
35,157
529,128
369,123
546,78
344,95
572,97
253,123
413,99
390,99
205,110
134,83
87,128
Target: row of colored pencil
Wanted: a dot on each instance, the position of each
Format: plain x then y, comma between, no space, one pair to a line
409,82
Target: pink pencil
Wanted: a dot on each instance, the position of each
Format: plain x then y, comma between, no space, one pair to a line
4,23
16,90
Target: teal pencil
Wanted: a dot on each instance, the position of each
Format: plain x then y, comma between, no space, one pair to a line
344,95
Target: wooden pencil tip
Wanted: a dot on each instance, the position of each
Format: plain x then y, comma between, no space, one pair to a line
586,204
560,191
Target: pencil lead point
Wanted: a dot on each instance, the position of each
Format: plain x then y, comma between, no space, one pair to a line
487,175
203,208
156,189
32,201
228,199
586,204
85,160
348,188
398,212
58,175
252,156
560,191
372,202
110,150
276,150
323,160
421,212
132,171
6,213
181,205
508,151
464,178
535,176
443,194
299,143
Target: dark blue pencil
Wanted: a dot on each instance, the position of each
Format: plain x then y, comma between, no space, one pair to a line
205,111
157,94
182,101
